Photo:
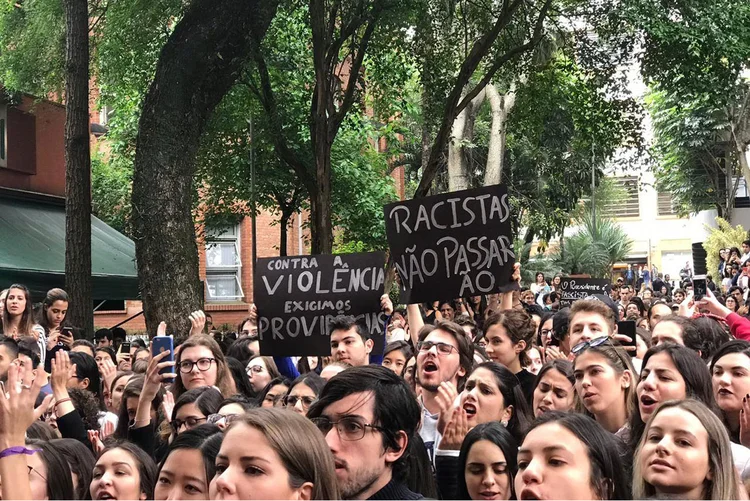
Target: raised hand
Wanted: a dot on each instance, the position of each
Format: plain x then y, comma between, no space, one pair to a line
107,430
96,441
108,371
386,304
198,322
445,397
455,431
17,405
62,370
43,407
167,406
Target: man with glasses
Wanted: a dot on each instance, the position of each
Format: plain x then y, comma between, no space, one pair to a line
444,357
368,416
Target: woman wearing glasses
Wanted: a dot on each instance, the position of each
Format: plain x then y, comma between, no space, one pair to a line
303,392
200,362
289,459
49,472
261,370
193,408
605,380
230,409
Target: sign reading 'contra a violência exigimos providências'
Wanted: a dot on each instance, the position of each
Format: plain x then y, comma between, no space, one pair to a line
457,244
298,296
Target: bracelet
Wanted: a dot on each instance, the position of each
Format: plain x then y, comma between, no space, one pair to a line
62,401
13,451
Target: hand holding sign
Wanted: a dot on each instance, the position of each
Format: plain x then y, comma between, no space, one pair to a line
456,244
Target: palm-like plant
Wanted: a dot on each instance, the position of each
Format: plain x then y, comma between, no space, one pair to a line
594,249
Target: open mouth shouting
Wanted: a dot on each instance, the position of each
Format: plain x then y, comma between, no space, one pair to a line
470,409
648,404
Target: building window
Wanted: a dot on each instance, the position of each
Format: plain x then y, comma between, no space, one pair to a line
665,205
104,115
3,136
224,265
626,203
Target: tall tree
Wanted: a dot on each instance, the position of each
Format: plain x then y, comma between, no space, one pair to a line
77,165
197,66
341,36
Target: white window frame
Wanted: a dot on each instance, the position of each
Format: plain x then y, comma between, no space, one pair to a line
3,135
104,113
232,235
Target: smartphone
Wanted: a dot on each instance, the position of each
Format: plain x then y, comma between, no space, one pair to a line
160,344
699,287
125,347
627,328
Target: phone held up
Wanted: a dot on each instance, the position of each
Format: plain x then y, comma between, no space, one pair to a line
161,344
627,328
699,287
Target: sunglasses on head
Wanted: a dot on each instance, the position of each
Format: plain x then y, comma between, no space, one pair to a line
585,345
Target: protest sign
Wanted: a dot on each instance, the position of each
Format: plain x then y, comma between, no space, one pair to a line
298,296
452,245
572,289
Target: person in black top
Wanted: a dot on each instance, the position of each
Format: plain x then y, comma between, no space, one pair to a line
509,335
368,416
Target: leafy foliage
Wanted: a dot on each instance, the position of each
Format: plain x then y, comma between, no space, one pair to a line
722,237
594,248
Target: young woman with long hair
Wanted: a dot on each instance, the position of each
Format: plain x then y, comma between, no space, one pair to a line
605,380
684,453
200,362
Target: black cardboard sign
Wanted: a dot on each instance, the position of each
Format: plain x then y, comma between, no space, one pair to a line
573,289
298,296
457,244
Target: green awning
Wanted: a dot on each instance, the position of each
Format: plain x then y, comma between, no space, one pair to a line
32,250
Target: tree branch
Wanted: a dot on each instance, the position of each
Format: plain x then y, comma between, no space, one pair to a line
519,49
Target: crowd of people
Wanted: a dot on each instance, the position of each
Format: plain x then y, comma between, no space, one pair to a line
503,396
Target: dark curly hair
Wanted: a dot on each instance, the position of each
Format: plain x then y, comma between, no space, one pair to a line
87,406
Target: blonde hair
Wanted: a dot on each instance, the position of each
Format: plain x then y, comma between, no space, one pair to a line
224,379
724,484
300,445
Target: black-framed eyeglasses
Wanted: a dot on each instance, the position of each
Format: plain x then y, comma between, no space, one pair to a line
31,469
349,427
227,418
186,366
189,423
442,348
585,345
291,401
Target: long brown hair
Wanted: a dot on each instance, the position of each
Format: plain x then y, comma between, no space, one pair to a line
224,380
27,317
301,447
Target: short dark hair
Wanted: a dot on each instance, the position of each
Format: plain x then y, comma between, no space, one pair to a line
29,347
465,347
608,472
119,333
691,336
11,345
241,400
400,345
59,479
346,322
146,467
312,380
81,461
109,351
84,342
101,333
86,368
746,242
394,409
493,432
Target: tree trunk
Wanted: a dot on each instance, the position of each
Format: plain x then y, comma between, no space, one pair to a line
501,106
463,131
77,166
284,234
197,66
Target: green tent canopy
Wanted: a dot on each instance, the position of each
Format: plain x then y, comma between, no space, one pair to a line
32,249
